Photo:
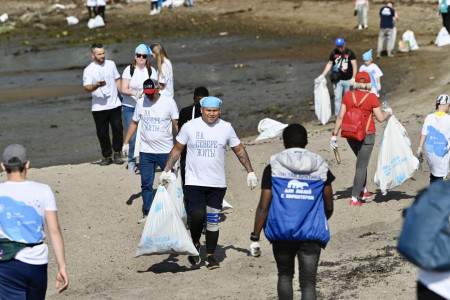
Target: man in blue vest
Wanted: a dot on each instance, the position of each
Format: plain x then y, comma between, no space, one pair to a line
296,202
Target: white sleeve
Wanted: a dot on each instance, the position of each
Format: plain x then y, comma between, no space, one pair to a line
137,110
154,74
425,126
126,73
182,136
233,140
87,77
174,115
116,73
50,202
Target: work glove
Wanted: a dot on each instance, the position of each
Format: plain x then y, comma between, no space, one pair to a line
252,181
333,143
419,152
389,110
319,79
255,249
125,149
166,177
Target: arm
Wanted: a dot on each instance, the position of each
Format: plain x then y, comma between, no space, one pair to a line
131,131
118,84
356,4
380,115
355,68
92,87
328,200
337,125
175,123
242,155
124,87
51,218
395,16
327,68
422,140
262,211
174,155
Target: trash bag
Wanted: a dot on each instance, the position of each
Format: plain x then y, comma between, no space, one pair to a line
71,20
96,22
164,232
408,35
270,128
226,206
396,161
175,191
443,38
322,103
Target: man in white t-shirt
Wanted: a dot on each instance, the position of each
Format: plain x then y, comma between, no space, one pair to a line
436,137
157,113
206,139
102,80
25,205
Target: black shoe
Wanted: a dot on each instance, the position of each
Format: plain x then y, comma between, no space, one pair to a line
118,158
195,260
106,161
211,263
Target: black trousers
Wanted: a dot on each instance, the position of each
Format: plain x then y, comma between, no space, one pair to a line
103,119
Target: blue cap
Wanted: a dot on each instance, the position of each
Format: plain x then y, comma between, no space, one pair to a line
339,41
367,55
145,48
211,102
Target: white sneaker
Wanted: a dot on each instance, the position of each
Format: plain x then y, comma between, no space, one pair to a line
158,10
359,27
366,26
143,220
153,12
131,167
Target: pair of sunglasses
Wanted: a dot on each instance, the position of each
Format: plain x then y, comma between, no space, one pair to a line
138,55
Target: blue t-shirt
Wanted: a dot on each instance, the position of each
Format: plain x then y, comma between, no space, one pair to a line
387,17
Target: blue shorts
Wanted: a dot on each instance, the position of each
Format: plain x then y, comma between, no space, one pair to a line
199,197
19,281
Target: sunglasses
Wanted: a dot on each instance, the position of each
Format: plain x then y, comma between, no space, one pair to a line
138,55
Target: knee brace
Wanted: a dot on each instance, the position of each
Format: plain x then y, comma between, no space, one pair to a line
212,218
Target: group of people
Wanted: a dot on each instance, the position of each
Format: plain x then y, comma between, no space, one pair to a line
96,7
157,5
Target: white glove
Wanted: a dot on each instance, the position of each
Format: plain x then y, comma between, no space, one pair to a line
333,143
138,94
125,149
389,110
166,177
255,249
252,181
352,82
419,152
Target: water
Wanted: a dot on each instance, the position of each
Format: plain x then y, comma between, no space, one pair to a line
46,109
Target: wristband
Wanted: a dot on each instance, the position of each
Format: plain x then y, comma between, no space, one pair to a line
254,238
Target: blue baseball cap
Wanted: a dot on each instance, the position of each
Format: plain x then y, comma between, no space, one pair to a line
339,41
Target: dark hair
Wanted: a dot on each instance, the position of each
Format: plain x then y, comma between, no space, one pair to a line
201,92
294,136
95,45
17,165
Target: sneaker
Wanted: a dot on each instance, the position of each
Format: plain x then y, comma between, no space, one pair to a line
378,56
195,259
359,27
106,161
143,220
366,26
118,158
364,196
153,12
211,263
355,203
131,167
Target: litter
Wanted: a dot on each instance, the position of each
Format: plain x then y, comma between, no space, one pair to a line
322,104
72,20
96,22
269,128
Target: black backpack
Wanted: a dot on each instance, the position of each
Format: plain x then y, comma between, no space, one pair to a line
149,70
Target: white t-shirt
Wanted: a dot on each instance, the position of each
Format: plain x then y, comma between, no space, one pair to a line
156,127
136,82
101,2
91,3
166,77
22,215
438,282
437,130
375,73
104,97
206,146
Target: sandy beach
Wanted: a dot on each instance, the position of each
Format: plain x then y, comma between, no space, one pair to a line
98,206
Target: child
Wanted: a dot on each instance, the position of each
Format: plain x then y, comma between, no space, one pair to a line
436,136
373,70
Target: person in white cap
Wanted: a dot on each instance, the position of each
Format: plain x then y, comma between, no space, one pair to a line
206,139
342,62
25,207
374,72
157,113
436,136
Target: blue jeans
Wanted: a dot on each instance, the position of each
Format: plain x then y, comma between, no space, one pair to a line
190,2
147,163
128,113
340,88
308,253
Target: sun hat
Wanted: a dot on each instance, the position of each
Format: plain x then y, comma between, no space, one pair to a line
362,77
15,151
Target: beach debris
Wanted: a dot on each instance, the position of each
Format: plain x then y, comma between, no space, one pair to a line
224,33
4,17
269,128
96,22
71,20
443,38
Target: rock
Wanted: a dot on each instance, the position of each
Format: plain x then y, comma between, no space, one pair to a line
7,28
40,26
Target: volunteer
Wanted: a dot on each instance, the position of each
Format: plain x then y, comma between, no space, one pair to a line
165,69
362,149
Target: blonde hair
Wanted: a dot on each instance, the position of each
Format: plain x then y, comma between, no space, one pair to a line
160,54
362,86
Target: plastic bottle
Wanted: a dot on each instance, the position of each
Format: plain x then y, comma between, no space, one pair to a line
385,104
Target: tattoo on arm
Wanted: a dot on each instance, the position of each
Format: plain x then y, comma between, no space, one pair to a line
244,159
171,160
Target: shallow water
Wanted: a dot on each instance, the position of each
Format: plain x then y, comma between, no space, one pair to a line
46,109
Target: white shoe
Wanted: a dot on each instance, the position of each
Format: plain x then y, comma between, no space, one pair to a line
366,26
143,220
158,10
131,167
359,27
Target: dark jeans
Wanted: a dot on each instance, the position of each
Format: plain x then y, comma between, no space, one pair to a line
363,151
434,178
308,253
103,119
423,293
147,162
101,12
446,20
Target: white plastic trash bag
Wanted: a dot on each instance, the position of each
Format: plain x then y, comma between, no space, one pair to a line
4,17
164,232
72,20
226,206
408,35
175,191
443,38
396,161
322,103
96,22
269,128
